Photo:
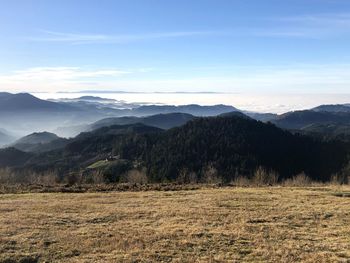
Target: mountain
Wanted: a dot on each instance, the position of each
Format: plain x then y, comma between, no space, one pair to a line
24,113
114,130
27,102
163,121
87,148
300,119
121,108
71,131
264,117
234,146
37,137
193,109
231,145
333,108
234,114
326,121
39,142
329,131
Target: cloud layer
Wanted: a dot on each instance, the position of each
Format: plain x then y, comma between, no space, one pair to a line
294,78
78,38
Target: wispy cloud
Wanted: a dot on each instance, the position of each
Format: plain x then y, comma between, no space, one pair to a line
38,78
293,78
333,19
63,73
77,38
301,26
308,26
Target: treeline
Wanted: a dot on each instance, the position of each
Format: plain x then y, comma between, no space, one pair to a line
137,179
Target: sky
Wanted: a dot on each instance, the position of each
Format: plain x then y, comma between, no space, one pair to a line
224,46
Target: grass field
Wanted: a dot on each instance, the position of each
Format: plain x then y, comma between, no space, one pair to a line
98,164
208,225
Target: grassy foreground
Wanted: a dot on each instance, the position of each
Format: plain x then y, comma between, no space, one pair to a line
208,225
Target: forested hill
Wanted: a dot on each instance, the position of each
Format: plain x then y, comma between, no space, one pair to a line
230,145
234,146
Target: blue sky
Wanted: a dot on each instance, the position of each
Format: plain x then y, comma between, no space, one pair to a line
289,46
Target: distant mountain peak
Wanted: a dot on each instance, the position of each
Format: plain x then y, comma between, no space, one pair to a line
333,108
26,102
37,137
162,120
235,114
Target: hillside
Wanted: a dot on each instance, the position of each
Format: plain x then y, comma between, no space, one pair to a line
333,108
264,117
11,157
37,137
39,142
235,114
232,146
87,148
329,131
236,146
301,119
162,121
24,113
26,102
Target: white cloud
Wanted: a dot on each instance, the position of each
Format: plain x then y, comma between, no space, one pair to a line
53,78
64,73
78,38
293,78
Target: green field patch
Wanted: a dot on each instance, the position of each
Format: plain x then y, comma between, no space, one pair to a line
99,164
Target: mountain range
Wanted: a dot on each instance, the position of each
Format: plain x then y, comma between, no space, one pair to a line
22,114
232,145
25,102
302,119
333,108
163,121
46,141
170,143
330,125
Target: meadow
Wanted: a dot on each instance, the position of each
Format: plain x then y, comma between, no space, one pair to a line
229,224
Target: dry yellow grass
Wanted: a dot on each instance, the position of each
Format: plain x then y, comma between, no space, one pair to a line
209,225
